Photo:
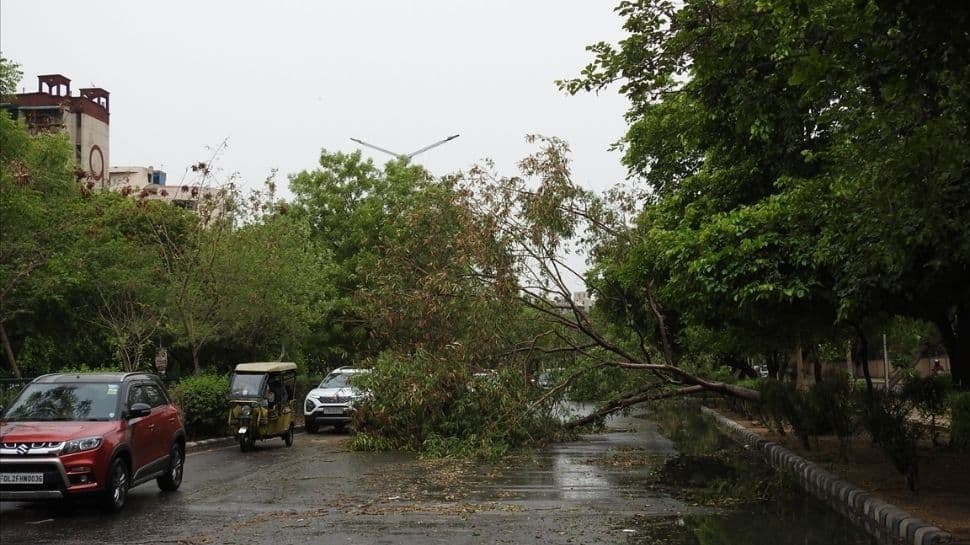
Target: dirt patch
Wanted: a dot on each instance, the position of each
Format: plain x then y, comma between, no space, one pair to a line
944,492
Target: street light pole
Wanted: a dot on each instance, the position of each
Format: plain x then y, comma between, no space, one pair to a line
406,156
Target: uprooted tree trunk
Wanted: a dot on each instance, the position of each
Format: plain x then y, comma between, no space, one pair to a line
535,224
668,373
630,400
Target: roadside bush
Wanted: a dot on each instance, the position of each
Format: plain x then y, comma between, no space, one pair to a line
9,392
203,402
884,416
304,384
960,421
928,396
784,405
436,406
749,408
85,368
831,411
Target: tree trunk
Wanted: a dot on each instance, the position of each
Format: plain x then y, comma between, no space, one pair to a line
196,368
862,355
8,351
956,338
849,366
799,369
816,360
630,399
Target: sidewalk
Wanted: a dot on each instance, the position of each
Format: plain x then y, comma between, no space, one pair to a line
944,492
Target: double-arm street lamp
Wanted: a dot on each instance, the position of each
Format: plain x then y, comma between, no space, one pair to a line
406,156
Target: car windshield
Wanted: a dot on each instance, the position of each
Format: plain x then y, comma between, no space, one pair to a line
80,401
336,380
246,385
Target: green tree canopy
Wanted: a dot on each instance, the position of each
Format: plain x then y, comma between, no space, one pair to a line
805,160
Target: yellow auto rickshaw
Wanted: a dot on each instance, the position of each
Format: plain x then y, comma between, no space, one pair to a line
261,402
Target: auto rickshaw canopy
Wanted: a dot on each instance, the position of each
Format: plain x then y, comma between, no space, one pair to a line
266,367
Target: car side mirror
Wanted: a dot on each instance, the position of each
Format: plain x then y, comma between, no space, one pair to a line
138,410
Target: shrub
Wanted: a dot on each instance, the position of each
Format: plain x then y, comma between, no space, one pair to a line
928,395
85,368
304,384
831,411
784,404
960,421
884,416
9,392
203,402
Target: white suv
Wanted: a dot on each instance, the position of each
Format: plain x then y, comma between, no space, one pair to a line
332,402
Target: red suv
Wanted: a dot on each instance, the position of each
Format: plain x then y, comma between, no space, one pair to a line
71,434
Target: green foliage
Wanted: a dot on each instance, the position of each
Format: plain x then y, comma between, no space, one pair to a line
805,161
304,384
927,394
885,416
960,421
833,411
370,442
785,405
41,222
435,406
9,392
604,383
85,368
202,399
10,75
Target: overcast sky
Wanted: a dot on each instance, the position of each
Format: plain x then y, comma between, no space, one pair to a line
282,80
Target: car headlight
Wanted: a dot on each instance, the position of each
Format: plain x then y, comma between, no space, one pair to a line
245,412
308,406
78,445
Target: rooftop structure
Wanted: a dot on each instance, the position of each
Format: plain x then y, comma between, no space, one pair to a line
84,117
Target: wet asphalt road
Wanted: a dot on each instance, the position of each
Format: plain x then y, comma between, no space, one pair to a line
318,491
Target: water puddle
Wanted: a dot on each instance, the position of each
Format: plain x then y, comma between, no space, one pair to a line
667,478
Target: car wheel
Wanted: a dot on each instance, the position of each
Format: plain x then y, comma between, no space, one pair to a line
176,463
116,490
312,427
246,442
288,436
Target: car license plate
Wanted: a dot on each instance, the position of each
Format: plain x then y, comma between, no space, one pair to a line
333,410
21,478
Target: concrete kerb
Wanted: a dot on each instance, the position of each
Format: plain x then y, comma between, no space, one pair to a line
202,444
885,521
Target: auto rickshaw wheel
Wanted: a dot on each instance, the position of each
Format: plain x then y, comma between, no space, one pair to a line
288,436
246,442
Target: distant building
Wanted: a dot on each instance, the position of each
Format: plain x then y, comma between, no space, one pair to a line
85,118
581,299
148,183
